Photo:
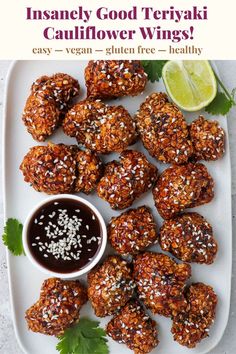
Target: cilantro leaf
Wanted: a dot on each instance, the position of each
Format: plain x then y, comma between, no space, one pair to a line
83,338
220,105
153,68
223,101
12,236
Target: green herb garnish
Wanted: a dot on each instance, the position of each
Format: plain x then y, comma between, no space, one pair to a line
86,337
12,236
223,101
153,68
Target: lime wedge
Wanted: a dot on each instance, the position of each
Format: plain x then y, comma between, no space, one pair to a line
191,84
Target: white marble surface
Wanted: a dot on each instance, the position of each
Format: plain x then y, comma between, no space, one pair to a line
8,343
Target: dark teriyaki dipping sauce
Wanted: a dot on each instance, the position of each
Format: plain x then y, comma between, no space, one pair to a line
64,235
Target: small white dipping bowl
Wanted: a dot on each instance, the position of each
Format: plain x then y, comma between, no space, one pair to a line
86,268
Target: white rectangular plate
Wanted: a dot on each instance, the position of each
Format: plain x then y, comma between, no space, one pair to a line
25,280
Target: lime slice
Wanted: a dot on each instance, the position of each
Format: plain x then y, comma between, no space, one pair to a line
191,84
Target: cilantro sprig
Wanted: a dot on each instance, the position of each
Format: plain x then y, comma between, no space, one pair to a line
12,236
86,337
153,68
223,101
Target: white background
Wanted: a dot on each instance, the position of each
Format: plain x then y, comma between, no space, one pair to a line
227,345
